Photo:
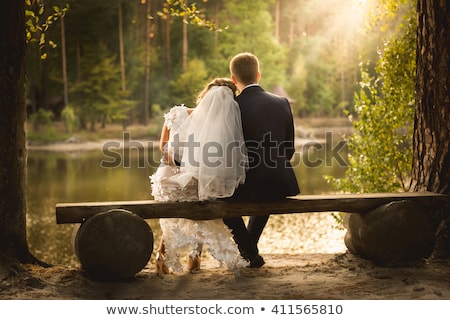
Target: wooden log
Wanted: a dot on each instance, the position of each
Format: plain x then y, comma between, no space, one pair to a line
218,209
396,234
113,245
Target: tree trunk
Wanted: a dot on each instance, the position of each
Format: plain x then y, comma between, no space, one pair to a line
64,62
277,20
123,86
145,104
13,154
431,156
431,162
167,49
184,52
78,59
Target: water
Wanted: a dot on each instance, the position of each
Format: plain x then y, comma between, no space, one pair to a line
56,177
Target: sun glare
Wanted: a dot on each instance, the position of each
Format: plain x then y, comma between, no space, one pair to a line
348,18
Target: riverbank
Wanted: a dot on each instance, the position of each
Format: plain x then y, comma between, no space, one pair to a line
340,276
308,131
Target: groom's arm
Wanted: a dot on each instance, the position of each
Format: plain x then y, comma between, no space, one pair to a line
290,135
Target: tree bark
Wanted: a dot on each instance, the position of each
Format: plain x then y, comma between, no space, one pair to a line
431,156
431,160
13,154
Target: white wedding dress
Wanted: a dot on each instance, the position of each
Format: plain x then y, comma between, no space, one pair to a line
172,183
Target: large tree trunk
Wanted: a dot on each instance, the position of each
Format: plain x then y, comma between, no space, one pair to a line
431,168
13,243
431,159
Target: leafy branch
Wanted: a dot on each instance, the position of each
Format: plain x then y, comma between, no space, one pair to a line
189,14
38,21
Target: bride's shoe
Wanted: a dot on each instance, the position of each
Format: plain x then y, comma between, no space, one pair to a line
161,267
193,263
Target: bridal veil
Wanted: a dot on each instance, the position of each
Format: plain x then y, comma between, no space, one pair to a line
214,151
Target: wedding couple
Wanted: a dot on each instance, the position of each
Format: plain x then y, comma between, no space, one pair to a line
231,146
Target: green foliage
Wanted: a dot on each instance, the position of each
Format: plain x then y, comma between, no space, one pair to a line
186,87
46,135
69,118
98,96
325,39
381,148
313,55
188,13
41,118
251,29
39,20
319,91
298,84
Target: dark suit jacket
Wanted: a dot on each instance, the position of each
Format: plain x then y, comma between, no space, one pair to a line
269,137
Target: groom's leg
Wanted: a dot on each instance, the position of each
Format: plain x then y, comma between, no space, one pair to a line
245,244
256,226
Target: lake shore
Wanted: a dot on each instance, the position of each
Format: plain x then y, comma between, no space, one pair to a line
340,276
308,131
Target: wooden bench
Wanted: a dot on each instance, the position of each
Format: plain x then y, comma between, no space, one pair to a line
113,240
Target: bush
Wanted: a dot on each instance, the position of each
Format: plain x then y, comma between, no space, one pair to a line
41,118
69,118
381,149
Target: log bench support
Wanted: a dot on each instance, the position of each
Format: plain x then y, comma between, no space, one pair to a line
113,240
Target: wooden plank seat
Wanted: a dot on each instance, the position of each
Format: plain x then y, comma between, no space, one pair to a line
113,241
218,209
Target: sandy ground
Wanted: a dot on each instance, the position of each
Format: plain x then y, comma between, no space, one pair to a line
286,277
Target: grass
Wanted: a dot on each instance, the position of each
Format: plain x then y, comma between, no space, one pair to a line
56,133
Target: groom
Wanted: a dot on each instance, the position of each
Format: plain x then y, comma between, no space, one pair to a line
268,128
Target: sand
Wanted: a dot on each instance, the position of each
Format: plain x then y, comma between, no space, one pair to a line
340,276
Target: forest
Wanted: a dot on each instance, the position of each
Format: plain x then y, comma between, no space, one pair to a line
91,62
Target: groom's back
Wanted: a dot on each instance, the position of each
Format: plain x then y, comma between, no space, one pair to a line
269,134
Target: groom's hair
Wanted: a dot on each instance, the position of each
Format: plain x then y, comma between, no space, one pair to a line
245,67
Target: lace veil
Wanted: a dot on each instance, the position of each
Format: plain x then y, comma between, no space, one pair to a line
214,152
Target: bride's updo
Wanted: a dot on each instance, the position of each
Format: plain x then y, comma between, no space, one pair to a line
226,82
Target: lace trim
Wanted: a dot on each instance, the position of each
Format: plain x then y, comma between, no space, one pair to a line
172,119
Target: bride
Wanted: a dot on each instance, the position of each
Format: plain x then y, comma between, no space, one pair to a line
204,158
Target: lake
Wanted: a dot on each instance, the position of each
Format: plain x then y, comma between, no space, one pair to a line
80,176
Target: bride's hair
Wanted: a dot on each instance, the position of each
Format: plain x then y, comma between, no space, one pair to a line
226,82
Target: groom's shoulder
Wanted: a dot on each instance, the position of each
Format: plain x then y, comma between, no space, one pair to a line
260,94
